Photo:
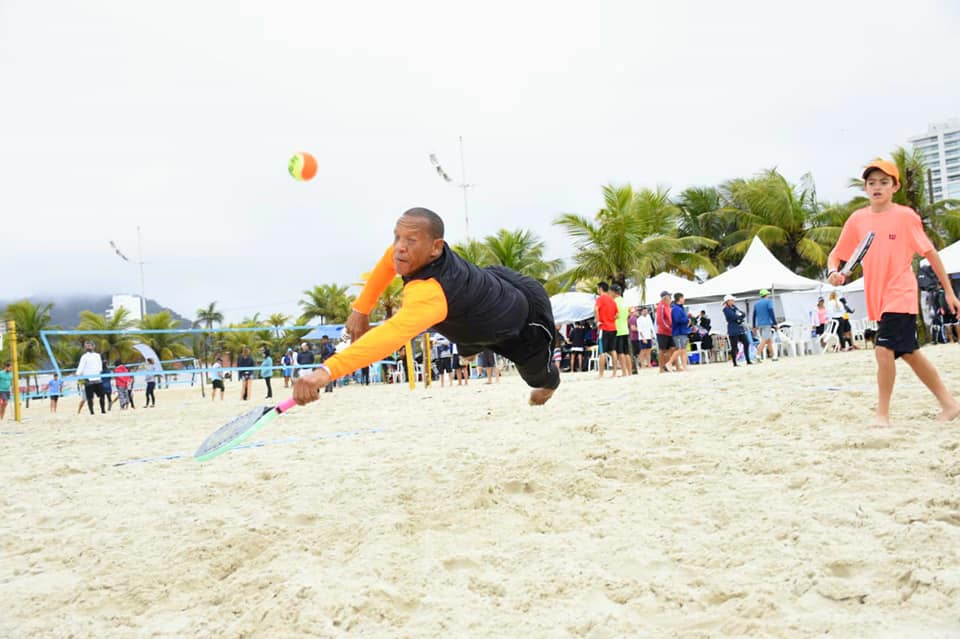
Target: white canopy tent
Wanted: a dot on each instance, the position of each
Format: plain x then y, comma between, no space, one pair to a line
654,285
757,270
572,307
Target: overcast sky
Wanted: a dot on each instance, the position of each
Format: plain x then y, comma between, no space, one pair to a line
179,117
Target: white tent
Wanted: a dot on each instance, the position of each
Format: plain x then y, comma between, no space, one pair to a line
757,270
654,285
572,307
950,256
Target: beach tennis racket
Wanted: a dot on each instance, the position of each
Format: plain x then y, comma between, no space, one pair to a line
858,254
238,429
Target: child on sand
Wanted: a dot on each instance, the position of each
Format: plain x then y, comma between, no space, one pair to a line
54,388
890,285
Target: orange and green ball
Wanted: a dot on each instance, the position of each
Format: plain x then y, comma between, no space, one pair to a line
302,166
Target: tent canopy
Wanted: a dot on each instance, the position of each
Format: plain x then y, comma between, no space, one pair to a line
757,270
572,307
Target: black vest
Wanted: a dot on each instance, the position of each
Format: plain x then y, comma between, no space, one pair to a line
483,307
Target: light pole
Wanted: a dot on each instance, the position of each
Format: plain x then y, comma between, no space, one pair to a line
462,185
143,299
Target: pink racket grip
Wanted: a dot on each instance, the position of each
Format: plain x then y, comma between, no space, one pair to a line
286,405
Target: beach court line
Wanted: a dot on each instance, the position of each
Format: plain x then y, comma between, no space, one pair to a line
257,444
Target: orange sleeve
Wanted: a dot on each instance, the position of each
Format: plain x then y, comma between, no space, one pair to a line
424,304
383,273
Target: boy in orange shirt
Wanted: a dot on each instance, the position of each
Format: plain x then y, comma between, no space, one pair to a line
890,285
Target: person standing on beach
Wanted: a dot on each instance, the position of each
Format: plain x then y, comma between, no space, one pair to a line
664,319
266,371
151,379
54,389
680,327
890,285
6,386
89,369
765,321
476,308
245,374
288,361
623,331
216,379
123,384
736,332
605,315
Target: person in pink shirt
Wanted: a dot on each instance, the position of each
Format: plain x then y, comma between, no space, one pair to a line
890,285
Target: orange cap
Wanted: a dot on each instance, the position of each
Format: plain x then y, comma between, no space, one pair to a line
887,167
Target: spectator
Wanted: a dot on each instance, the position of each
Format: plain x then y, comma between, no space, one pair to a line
487,360
680,328
151,379
578,344
820,320
6,386
623,331
735,329
664,331
54,389
123,385
244,374
605,315
326,350
765,321
216,378
89,369
646,333
266,371
837,308
107,386
305,360
288,360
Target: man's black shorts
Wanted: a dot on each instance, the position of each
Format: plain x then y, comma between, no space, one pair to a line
443,365
664,342
623,344
898,332
608,341
218,384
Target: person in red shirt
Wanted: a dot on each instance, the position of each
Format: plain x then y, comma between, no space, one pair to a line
123,383
605,314
890,285
664,331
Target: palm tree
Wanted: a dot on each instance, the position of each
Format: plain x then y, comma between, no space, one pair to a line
474,251
701,213
169,345
30,320
784,218
207,317
522,251
634,236
329,302
113,346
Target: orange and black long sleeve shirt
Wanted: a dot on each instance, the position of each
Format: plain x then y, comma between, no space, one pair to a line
467,304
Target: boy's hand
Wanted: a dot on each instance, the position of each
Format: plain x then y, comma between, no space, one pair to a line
953,303
836,278
357,324
306,389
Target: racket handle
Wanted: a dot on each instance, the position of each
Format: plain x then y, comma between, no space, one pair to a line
286,405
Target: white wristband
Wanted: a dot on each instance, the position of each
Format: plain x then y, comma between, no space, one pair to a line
325,369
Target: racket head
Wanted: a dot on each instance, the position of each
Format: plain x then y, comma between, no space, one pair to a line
235,432
858,254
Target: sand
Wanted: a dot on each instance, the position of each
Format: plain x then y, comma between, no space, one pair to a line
722,502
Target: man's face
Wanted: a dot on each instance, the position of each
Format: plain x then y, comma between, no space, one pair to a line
413,247
880,187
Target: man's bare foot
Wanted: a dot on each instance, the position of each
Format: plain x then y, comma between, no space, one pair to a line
881,421
950,413
539,396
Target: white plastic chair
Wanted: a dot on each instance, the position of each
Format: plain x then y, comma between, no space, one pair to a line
399,375
857,333
702,355
830,339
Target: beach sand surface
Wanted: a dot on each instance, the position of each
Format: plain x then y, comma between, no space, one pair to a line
724,502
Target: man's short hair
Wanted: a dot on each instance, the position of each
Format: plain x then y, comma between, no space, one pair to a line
434,221
603,286
677,297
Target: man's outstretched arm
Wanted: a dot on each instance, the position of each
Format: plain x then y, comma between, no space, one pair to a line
383,273
424,305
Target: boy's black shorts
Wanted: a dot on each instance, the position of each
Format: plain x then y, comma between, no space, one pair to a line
898,332
443,365
218,384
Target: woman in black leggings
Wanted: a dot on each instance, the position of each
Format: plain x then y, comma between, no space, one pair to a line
151,385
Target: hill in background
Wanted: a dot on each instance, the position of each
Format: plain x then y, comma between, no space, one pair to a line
66,309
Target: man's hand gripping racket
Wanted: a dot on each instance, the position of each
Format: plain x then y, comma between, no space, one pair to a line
239,429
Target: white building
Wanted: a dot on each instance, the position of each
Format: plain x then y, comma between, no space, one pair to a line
940,147
129,302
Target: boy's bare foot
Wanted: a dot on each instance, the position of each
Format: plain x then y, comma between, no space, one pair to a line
539,396
881,421
948,414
